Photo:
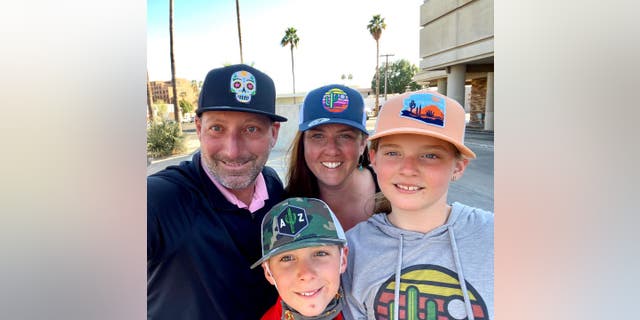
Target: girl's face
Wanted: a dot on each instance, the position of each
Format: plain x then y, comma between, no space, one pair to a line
332,151
307,279
414,170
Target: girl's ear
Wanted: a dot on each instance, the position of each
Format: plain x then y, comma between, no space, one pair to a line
372,157
459,167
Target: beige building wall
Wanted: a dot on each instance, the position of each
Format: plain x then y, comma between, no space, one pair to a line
457,49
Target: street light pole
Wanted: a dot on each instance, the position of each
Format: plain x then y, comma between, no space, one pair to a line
386,71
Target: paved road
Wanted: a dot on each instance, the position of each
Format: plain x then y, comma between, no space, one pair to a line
475,188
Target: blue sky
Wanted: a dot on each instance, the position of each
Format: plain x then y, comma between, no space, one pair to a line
334,39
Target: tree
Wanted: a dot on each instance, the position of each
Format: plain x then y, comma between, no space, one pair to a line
149,100
162,109
291,38
400,76
176,107
239,32
375,27
186,106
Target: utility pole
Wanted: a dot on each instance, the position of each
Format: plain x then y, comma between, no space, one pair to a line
386,71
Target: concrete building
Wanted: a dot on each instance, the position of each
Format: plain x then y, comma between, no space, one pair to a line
457,49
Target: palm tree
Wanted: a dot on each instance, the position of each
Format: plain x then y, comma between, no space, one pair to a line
291,38
176,107
149,99
239,32
375,27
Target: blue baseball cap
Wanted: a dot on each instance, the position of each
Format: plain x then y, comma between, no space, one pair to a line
239,87
333,103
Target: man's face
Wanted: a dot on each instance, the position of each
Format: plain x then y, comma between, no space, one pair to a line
235,145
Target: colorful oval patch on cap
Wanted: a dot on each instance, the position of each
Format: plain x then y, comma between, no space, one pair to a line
335,100
424,107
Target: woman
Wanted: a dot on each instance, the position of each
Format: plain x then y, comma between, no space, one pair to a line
329,157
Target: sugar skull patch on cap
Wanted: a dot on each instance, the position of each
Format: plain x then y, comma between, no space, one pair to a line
243,84
424,107
335,100
292,220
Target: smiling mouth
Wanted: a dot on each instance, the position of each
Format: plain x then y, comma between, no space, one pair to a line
309,293
236,163
408,188
331,165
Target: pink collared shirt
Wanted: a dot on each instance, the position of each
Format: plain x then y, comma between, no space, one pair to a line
260,194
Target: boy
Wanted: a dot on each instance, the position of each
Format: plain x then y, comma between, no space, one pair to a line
303,254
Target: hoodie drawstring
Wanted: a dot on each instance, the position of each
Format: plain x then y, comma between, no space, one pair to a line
463,284
396,292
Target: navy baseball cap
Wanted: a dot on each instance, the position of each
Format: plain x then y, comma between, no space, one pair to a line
238,87
333,103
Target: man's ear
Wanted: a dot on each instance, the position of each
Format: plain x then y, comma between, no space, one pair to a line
275,129
198,122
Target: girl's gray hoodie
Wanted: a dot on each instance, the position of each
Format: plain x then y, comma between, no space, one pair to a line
446,273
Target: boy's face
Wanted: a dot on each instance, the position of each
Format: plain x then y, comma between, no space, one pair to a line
414,170
308,278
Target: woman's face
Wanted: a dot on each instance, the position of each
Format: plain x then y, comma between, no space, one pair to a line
331,152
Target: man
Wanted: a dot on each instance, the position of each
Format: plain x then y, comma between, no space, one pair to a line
204,216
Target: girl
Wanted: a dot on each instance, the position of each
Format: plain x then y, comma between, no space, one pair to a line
420,257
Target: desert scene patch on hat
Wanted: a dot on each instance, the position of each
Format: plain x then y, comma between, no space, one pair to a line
424,107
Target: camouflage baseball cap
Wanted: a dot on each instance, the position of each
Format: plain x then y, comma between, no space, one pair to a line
299,223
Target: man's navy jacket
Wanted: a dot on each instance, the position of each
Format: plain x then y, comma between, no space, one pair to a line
200,247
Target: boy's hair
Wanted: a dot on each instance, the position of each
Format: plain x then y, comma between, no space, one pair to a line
426,113
299,223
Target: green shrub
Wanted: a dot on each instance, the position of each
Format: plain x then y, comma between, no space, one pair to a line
164,139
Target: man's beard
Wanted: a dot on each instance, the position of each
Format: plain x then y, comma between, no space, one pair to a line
233,182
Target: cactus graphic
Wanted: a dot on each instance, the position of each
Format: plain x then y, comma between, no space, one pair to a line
412,303
431,310
291,220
